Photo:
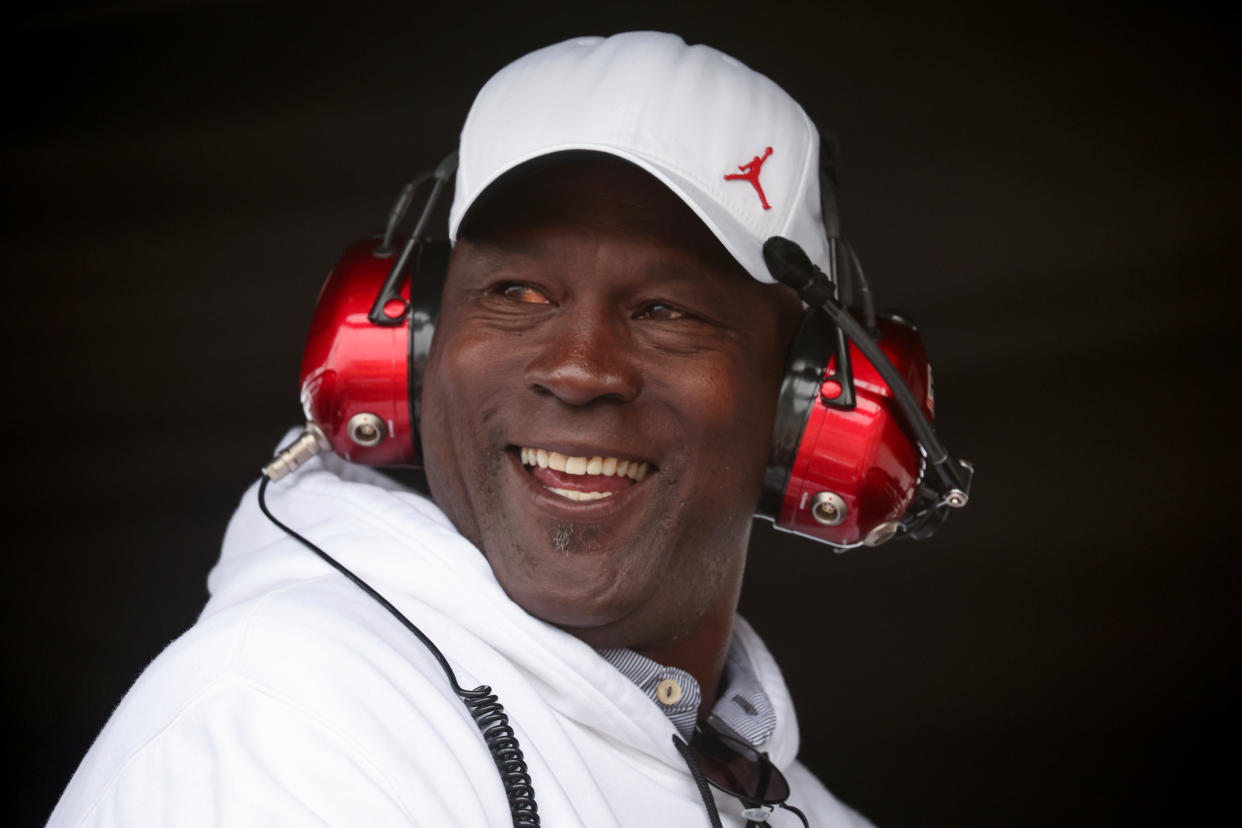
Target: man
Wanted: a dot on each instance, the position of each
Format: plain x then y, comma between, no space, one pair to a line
596,416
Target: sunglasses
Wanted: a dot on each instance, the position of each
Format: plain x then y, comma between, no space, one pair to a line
736,768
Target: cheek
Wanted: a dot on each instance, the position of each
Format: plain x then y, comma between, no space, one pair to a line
464,370
727,415
435,432
458,393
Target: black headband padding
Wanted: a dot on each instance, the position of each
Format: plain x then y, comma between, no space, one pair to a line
804,371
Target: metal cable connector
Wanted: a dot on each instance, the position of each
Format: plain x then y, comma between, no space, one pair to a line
309,443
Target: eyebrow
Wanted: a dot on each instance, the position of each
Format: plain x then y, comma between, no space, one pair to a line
709,277
521,245
495,249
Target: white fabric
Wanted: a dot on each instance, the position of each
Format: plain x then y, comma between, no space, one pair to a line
297,700
689,115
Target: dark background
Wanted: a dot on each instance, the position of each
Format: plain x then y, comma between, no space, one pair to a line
1050,190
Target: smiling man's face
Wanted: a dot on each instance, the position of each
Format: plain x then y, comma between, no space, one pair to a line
591,324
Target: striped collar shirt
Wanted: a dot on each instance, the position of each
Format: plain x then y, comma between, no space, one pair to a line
743,706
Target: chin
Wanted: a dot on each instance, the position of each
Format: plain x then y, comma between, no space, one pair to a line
579,586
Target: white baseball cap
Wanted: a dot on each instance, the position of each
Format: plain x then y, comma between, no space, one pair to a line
733,145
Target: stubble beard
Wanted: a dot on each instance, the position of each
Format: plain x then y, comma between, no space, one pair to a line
495,517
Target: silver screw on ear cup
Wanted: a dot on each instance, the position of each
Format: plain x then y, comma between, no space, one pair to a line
366,429
828,508
881,533
956,498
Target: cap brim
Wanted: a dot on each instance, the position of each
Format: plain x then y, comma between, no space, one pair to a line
742,245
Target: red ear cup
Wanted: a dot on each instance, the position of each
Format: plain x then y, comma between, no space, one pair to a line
361,381
355,374
849,475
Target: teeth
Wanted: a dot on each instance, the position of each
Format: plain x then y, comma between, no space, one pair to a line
607,466
572,495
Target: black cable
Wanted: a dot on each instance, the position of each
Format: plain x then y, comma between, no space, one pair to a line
797,813
483,705
864,290
713,815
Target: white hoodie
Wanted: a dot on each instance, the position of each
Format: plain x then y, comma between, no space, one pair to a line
297,700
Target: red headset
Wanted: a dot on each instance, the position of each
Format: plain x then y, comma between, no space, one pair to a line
852,442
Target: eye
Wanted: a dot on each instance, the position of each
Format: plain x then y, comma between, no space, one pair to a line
518,292
659,311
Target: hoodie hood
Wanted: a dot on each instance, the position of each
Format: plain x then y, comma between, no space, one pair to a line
406,548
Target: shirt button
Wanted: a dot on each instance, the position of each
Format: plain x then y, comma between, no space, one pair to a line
668,692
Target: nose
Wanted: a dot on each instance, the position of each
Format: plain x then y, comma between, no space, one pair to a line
588,356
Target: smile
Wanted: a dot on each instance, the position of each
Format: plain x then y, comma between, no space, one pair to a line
582,478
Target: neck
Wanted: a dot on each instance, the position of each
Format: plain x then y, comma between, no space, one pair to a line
702,654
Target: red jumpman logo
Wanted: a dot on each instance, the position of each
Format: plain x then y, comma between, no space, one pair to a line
750,172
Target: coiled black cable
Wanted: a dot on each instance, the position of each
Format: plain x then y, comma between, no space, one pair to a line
490,717
483,705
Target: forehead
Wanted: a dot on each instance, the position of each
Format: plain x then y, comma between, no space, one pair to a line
583,194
